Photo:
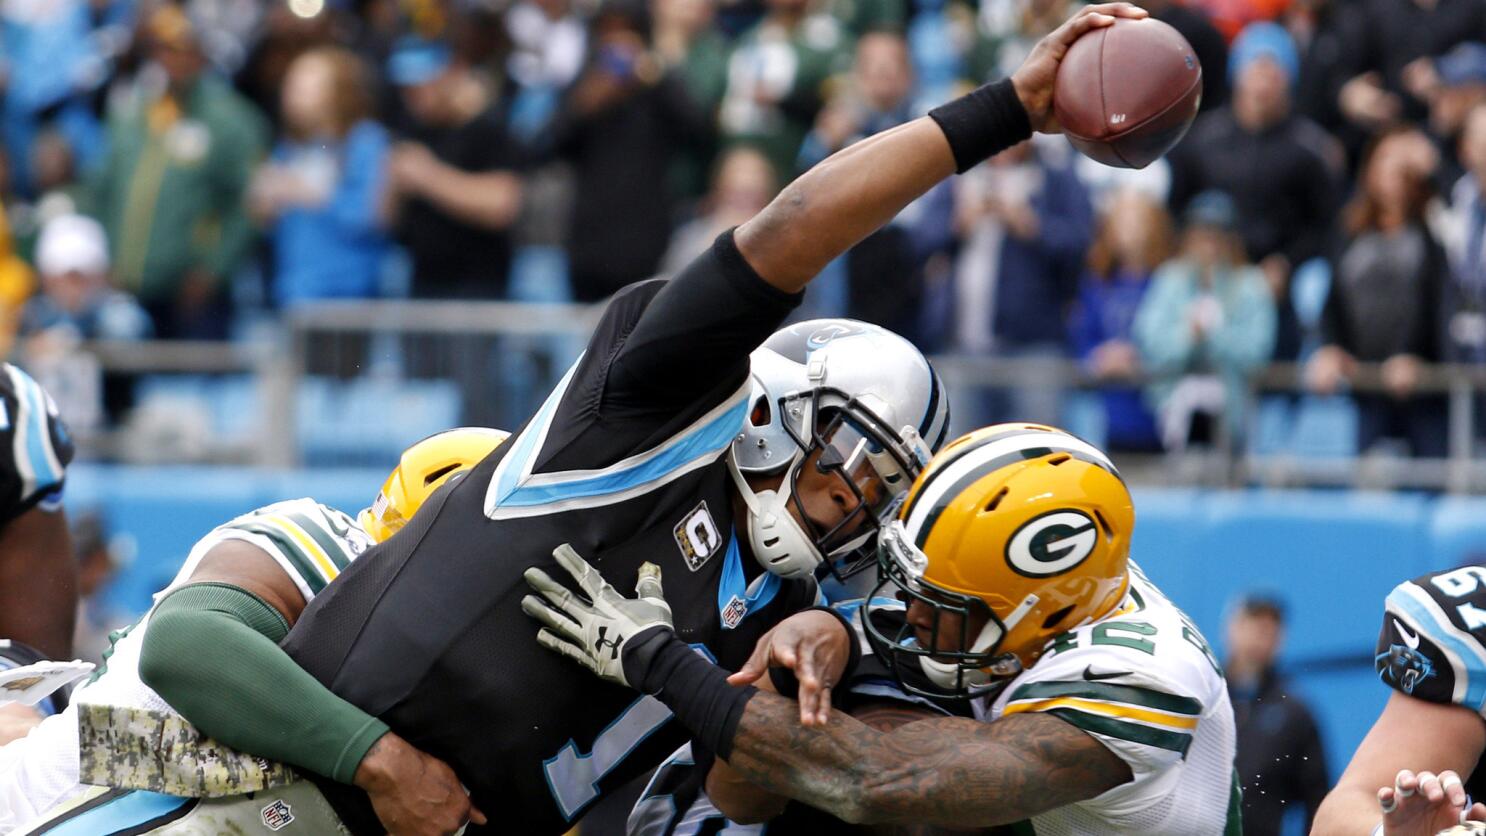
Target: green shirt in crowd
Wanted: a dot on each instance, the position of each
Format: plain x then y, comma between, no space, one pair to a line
171,191
776,84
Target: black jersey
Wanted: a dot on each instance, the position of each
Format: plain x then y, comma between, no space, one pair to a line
626,461
1433,643
35,447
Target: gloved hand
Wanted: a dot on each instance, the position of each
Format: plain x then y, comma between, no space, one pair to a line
609,634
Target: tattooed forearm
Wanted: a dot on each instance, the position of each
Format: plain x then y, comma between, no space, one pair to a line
946,771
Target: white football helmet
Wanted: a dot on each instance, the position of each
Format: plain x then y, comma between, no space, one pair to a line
874,408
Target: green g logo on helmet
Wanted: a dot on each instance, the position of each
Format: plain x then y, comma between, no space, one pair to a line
1052,544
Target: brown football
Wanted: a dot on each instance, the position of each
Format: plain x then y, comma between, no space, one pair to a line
1126,93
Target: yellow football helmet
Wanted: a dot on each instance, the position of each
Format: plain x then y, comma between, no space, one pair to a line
424,468
1021,527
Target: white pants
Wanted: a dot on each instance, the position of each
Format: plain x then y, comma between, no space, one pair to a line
39,771
298,808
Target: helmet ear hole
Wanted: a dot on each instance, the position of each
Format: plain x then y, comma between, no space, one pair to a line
761,413
995,500
439,474
1056,618
1104,525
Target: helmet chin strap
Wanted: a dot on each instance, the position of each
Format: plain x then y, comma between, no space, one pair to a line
780,545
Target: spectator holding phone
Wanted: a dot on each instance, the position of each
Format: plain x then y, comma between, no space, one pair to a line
621,126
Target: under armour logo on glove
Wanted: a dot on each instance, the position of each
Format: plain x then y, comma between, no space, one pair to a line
595,632
612,644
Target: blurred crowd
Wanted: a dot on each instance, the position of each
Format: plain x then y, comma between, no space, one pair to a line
174,170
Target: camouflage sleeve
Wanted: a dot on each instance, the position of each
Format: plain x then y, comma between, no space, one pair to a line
1430,646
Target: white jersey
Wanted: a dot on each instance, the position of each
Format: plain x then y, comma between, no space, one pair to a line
311,542
1145,684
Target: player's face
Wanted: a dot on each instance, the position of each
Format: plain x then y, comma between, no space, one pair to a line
829,501
953,635
846,483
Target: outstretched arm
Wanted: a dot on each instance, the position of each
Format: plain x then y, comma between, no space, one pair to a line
1455,741
738,798
947,771
844,199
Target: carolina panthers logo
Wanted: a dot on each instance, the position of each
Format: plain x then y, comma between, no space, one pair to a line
1052,543
1403,664
1404,667
835,330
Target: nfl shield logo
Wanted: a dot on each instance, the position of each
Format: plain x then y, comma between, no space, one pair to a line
277,816
732,614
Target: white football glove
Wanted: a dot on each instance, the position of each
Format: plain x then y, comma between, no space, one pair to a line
594,633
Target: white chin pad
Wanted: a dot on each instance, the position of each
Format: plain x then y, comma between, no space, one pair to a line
947,674
779,543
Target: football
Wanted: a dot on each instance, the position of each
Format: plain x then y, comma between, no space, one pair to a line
1126,93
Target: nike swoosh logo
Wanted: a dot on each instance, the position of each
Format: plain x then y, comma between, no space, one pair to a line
1099,677
1410,639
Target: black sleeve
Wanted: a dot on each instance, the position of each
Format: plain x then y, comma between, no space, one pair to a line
697,332
490,148
1185,175
690,120
1316,193
1431,339
1359,52
1431,645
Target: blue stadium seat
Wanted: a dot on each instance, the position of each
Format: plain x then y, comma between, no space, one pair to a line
1334,556
1084,416
348,488
1309,427
1457,532
164,510
345,422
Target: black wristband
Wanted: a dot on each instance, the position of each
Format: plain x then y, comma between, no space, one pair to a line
695,690
982,123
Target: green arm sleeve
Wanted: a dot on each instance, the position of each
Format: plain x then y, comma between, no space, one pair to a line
211,651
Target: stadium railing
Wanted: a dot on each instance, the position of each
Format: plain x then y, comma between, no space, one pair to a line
336,368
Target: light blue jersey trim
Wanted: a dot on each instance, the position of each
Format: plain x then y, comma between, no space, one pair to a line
123,813
38,440
515,491
848,609
1444,635
708,440
734,584
35,461
516,465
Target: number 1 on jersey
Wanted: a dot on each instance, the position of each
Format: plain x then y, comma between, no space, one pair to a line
574,777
